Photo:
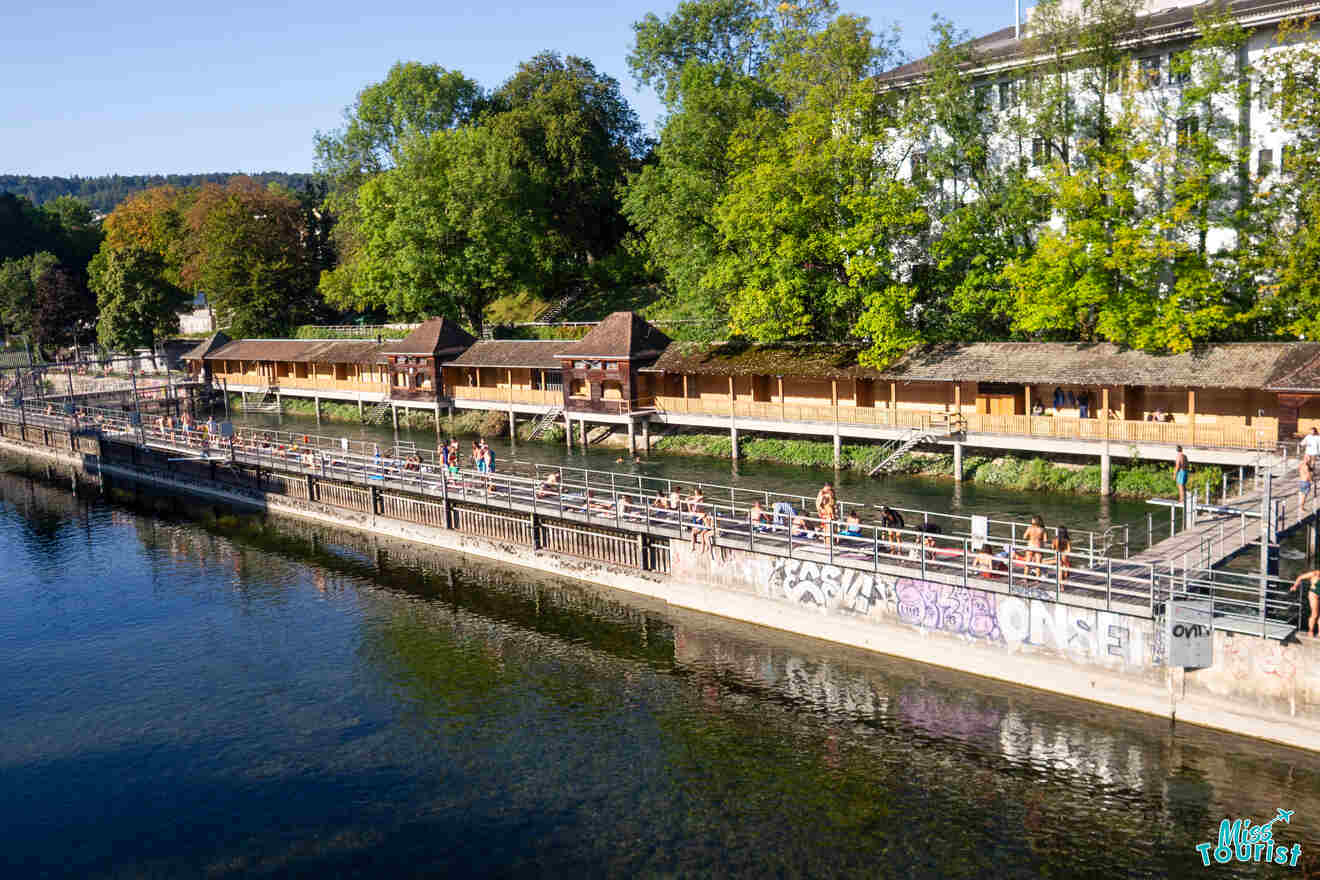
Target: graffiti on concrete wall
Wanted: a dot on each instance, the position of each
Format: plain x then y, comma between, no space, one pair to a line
829,586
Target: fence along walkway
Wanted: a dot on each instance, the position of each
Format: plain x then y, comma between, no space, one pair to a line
1239,603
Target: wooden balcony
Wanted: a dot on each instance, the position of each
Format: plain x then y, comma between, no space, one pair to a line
537,397
1263,436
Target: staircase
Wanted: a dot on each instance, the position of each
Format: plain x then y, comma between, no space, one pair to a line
896,448
376,414
599,433
265,402
557,308
545,422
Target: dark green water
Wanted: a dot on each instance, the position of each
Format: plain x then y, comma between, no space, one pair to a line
222,696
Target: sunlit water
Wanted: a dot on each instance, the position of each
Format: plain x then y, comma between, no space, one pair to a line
229,696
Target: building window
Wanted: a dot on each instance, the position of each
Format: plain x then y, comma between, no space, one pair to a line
918,166
1150,70
1265,163
1187,128
1040,151
1264,94
1007,95
579,388
1179,75
981,95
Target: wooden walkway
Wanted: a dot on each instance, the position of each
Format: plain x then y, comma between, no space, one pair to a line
1219,535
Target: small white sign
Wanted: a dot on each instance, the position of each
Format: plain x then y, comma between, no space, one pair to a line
1190,633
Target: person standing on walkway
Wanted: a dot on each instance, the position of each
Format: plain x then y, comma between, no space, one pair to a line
1304,477
1311,446
1180,474
1035,538
1313,595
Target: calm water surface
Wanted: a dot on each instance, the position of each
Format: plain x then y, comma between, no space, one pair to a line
214,695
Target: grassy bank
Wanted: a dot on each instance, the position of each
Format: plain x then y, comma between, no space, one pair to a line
1027,473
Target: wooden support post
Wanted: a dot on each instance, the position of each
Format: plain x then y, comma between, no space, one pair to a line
782,406
893,403
838,447
316,406
646,434
733,438
957,401
1026,396
1191,414
957,462
394,415
1104,409
685,393
513,429
437,417
568,432
1105,466
360,414
632,436
510,377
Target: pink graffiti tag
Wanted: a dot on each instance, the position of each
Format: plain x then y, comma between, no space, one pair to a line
948,608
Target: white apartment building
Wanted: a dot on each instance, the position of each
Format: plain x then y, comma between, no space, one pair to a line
1007,60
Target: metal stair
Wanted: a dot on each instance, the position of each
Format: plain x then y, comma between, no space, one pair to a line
545,421
264,402
896,448
376,414
557,308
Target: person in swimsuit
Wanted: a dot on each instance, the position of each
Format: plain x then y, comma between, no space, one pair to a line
1035,537
1062,547
1304,477
1312,594
1180,474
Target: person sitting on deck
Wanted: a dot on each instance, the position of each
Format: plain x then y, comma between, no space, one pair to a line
659,502
893,521
696,503
675,499
984,561
783,514
756,516
1062,547
549,486
852,527
595,505
704,532
801,529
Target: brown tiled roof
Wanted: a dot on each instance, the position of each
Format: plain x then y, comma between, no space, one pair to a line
326,351
1228,365
808,360
203,348
621,335
534,353
1299,370
1001,45
438,336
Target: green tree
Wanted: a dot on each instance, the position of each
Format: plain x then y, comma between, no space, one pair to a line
65,310
446,231
137,304
248,252
18,290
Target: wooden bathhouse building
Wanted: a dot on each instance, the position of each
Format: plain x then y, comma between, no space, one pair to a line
1226,403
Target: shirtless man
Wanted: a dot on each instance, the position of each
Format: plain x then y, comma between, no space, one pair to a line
1035,537
1312,594
1304,477
1180,474
824,496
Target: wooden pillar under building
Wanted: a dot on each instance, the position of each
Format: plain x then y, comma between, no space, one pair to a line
582,433
733,423
1026,396
394,416
1105,467
509,373
316,405
957,407
893,403
1191,415
568,432
838,447
685,393
782,407
733,442
1104,410
957,462
359,407
513,429
646,434
437,420
632,436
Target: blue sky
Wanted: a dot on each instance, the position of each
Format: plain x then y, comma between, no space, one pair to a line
145,86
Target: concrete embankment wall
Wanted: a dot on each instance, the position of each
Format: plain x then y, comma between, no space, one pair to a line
1256,687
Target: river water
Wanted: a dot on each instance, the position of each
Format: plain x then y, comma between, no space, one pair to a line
190,692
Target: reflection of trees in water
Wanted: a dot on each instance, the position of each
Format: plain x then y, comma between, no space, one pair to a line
997,771
50,518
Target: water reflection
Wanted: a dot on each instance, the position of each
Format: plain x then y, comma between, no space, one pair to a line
298,699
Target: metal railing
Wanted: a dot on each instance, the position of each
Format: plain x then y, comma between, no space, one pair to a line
1239,602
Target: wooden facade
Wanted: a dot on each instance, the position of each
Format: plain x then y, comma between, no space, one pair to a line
1234,396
